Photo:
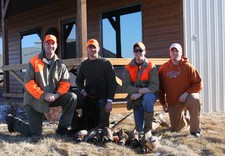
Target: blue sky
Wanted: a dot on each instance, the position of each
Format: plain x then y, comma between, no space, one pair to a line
131,32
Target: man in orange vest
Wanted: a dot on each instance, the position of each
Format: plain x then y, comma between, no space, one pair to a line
46,85
140,81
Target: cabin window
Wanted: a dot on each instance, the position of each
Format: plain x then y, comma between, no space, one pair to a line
30,44
68,29
120,30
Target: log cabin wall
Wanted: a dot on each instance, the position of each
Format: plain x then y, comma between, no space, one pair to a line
161,22
49,15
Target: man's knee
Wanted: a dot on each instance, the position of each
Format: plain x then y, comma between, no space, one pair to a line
194,97
194,100
73,95
70,96
148,102
149,98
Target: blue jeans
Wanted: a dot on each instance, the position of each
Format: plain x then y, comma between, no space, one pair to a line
147,105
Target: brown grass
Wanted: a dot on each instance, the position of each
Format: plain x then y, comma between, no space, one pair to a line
212,141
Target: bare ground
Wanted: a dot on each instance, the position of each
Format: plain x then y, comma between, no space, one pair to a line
212,141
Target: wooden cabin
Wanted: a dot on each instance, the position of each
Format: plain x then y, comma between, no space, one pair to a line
157,23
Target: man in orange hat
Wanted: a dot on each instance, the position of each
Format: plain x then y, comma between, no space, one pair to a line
96,82
46,85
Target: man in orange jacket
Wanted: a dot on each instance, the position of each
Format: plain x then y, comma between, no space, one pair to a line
46,85
180,85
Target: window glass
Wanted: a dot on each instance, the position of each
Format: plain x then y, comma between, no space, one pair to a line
68,39
131,32
120,30
109,39
31,45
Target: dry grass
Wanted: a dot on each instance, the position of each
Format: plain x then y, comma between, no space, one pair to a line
212,141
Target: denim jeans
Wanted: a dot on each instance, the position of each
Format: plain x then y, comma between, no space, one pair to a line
147,105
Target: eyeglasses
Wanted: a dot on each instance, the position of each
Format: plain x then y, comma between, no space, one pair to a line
138,50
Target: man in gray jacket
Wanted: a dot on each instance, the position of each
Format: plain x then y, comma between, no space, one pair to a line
141,82
46,85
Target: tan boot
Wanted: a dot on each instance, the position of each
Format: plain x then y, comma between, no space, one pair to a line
148,121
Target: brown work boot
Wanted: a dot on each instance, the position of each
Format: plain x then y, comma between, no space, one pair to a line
62,131
148,117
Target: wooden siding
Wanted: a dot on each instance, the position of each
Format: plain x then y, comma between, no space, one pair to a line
161,21
162,24
44,17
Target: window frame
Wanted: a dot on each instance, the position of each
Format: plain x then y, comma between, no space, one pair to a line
63,40
115,13
29,32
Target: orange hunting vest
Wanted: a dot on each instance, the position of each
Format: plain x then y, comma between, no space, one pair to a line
144,72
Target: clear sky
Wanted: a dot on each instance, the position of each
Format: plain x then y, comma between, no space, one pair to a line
28,42
131,32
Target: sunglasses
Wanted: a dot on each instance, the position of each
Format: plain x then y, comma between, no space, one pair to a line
138,50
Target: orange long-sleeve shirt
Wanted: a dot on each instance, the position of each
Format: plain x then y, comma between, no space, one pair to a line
177,79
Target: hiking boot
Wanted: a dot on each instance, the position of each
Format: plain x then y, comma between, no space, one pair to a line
10,122
35,138
196,134
62,131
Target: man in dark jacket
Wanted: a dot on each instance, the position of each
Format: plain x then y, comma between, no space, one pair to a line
96,81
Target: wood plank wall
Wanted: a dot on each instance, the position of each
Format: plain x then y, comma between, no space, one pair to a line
162,24
44,17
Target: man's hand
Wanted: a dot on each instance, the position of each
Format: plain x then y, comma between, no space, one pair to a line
165,108
55,96
48,97
183,97
51,97
135,96
143,90
108,107
84,93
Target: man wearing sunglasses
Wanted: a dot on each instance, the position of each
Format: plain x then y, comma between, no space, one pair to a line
140,81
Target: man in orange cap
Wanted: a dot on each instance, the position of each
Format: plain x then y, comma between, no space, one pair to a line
96,81
46,85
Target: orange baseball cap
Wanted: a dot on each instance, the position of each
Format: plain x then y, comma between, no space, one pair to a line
140,44
92,42
50,37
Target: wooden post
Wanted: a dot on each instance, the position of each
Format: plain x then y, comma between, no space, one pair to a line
5,43
81,29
